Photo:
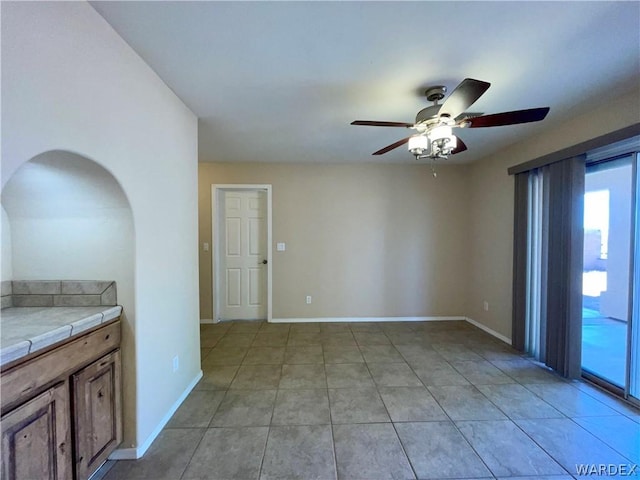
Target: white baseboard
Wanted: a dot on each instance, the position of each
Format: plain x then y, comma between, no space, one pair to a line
490,331
394,319
383,319
137,452
364,319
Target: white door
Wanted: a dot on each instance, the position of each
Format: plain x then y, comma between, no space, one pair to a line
243,256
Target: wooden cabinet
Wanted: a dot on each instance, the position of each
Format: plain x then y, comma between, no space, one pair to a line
97,413
61,409
36,440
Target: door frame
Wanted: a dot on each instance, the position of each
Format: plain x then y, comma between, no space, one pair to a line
217,190
633,328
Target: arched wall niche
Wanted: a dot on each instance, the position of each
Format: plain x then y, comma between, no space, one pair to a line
66,217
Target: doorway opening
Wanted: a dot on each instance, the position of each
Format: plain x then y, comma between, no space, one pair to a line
241,235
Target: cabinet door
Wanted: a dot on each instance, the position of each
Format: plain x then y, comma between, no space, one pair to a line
97,413
36,439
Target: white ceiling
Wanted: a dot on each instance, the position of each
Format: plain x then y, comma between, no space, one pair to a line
281,81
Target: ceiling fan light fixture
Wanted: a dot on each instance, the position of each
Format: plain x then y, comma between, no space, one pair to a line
443,141
441,132
418,144
452,143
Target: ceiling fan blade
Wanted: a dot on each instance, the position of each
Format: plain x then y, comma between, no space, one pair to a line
509,118
388,148
460,146
373,123
463,97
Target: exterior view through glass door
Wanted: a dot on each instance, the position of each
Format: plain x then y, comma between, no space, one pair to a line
608,293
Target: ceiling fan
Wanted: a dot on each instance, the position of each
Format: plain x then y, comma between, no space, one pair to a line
434,125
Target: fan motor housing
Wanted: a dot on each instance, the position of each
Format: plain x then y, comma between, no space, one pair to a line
429,113
435,94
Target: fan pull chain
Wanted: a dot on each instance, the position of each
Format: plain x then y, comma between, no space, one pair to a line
433,168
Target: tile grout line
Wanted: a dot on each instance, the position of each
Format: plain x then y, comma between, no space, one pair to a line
406,456
186,467
333,436
266,443
264,451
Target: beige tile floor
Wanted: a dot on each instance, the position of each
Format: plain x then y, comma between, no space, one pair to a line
380,400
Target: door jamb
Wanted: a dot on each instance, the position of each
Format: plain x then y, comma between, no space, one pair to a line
216,191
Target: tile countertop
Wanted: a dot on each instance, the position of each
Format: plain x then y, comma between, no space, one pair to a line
24,330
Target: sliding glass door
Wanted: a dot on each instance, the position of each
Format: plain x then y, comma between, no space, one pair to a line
576,288
607,268
611,273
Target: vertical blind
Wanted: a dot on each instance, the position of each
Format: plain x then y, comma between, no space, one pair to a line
547,267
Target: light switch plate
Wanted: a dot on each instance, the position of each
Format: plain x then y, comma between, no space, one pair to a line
280,247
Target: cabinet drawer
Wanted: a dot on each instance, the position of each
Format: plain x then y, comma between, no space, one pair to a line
24,380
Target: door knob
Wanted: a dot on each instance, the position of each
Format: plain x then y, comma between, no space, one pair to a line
264,262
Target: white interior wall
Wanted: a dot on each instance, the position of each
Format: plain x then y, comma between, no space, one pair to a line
362,240
71,83
69,220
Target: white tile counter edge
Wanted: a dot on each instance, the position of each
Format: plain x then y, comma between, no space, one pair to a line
26,346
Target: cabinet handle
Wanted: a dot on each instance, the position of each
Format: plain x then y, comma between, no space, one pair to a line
100,394
62,445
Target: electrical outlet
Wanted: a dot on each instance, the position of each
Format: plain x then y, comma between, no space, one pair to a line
485,306
176,363
308,299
